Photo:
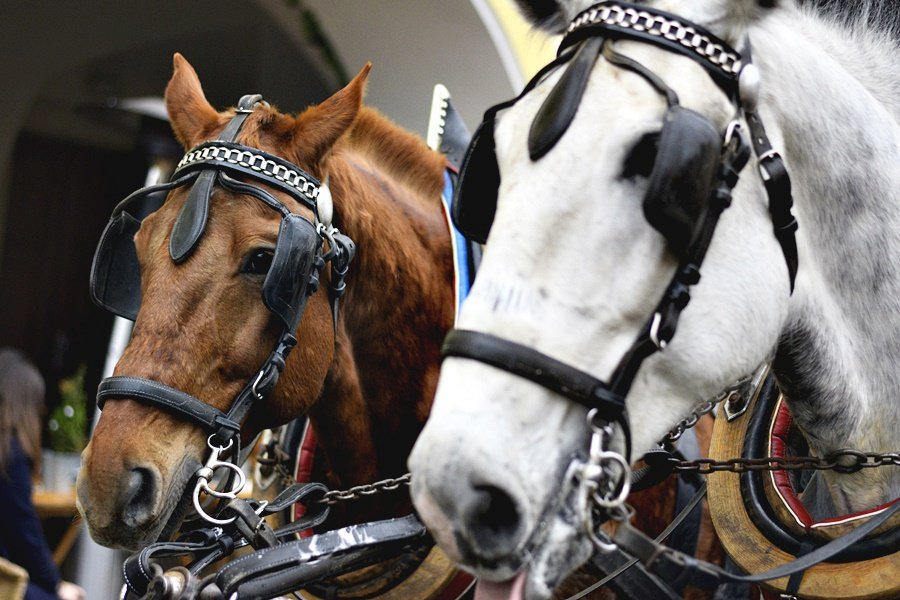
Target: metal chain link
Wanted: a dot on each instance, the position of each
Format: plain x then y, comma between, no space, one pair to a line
841,461
671,29
692,419
737,394
361,491
297,179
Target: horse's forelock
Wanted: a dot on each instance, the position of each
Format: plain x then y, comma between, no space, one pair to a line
544,14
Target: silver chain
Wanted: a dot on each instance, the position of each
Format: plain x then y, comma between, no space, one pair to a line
657,25
257,162
692,419
841,461
362,491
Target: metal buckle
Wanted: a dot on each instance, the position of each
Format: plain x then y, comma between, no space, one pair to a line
770,155
654,332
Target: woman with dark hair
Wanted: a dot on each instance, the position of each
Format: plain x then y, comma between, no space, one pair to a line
21,538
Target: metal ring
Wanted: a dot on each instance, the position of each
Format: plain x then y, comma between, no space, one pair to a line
203,514
625,482
212,446
241,482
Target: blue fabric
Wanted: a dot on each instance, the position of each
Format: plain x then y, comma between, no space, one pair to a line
21,537
33,592
460,245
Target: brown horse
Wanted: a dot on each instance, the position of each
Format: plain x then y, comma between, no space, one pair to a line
202,328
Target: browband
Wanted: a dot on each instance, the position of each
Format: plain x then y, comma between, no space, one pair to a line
663,29
262,166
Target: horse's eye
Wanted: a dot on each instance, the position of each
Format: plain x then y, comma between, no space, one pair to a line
258,261
640,161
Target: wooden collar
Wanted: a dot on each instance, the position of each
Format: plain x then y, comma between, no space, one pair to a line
753,552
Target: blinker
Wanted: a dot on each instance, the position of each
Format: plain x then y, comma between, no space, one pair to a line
558,110
678,191
475,196
115,280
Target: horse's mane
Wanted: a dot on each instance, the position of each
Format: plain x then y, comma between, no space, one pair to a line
400,153
879,16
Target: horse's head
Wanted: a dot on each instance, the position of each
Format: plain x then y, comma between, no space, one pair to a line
228,264
609,169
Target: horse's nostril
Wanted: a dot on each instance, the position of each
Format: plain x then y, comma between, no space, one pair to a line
494,509
139,497
493,520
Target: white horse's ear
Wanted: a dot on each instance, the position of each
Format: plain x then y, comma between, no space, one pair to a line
544,14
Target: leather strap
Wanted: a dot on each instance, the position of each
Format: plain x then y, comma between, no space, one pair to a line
257,164
672,565
778,187
567,381
191,221
639,584
169,399
286,567
722,64
556,113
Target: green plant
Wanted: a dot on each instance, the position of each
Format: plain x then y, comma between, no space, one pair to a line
68,421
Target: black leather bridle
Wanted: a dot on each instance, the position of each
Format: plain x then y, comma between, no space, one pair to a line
737,77
297,264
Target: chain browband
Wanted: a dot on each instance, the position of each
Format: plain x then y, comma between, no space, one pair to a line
638,22
277,171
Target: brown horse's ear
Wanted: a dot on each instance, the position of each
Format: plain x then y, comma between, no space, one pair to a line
319,127
193,117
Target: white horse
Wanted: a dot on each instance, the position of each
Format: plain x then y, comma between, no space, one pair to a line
573,269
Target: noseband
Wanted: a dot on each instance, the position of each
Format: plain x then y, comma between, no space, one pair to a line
672,206
297,263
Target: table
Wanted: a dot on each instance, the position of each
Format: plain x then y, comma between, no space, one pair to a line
50,504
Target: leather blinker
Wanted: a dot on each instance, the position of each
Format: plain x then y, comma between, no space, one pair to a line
558,110
683,175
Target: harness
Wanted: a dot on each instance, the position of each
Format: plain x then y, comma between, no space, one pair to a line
294,275
281,563
689,186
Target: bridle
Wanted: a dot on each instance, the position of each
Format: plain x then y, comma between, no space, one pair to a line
591,34
603,479
299,258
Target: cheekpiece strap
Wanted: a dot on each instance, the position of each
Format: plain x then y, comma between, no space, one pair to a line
778,187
